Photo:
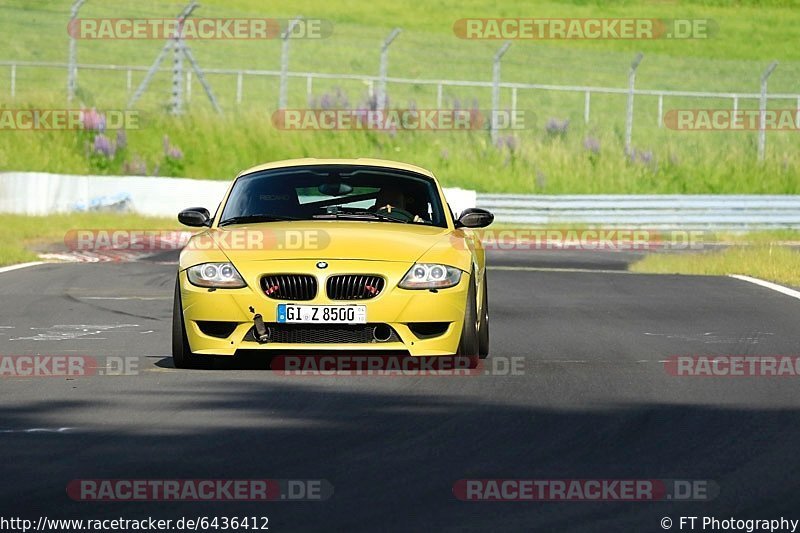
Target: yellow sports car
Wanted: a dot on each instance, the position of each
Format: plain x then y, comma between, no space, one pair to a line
318,255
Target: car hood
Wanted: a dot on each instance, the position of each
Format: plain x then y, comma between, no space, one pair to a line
324,239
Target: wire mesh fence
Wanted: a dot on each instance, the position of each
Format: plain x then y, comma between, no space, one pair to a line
579,85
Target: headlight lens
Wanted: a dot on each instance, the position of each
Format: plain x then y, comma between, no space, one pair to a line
430,276
216,275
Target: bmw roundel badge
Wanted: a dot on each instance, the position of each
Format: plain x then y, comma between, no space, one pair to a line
322,264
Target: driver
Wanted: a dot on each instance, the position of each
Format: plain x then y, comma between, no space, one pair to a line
391,198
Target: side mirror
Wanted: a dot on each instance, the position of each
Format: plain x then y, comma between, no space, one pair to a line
474,217
196,217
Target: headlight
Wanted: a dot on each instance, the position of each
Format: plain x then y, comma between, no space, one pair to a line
217,275
430,276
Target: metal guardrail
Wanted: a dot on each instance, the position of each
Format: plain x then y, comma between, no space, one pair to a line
717,212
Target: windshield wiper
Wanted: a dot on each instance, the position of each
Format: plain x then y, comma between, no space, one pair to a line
255,218
360,214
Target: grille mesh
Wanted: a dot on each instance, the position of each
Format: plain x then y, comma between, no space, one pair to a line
321,334
354,286
296,287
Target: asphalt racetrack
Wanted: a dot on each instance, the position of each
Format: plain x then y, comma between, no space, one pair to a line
593,401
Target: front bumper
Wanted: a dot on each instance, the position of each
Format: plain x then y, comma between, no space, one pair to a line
397,308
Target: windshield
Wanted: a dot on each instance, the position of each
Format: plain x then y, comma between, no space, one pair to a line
348,192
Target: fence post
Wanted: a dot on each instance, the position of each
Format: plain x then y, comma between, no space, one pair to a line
309,89
384,68
72,68
496,88
284,87
587,104
762,107
177,70
513,101
629,111
438,96
129,81
797,113
239,83
13,81
735,103
660,109
188,85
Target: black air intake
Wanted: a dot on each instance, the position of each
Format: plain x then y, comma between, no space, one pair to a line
354,287
294,287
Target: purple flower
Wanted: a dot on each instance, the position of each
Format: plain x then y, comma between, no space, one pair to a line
645,157
172,152
507,141
93,120
592,144
557,127
104,146
325,101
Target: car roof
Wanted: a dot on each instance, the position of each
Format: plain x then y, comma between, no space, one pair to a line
363,161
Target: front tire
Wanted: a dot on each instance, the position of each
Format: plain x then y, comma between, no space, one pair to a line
182,356
468,346
483,328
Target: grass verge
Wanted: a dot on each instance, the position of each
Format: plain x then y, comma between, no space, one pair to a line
763,260
20,235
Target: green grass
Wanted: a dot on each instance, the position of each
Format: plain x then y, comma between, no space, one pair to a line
217,148
770,262
751,33
21,235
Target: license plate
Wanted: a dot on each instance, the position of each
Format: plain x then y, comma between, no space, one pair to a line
322,314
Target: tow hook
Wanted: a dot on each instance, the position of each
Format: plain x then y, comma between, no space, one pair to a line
262,332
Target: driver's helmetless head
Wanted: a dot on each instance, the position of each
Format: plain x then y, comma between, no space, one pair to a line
390,196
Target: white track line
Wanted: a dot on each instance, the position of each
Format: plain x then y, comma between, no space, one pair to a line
21,265
768,284
125,297
553,269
